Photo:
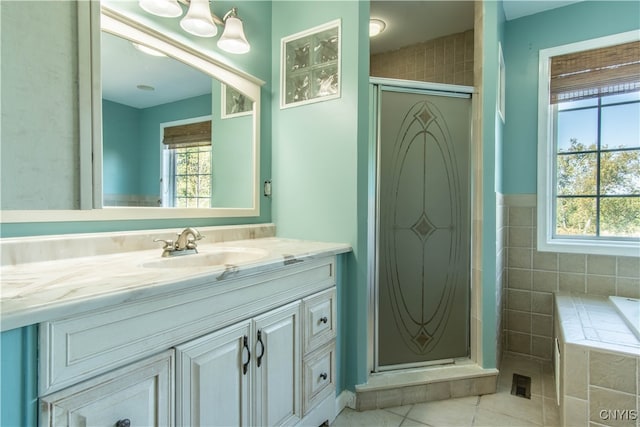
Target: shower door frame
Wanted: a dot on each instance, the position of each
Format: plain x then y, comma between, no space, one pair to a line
377,86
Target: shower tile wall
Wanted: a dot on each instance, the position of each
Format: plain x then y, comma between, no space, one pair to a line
446,59
533,276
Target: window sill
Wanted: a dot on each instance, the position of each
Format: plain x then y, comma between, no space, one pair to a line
586,246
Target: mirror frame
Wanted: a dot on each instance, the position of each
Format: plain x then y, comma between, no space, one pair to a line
92,19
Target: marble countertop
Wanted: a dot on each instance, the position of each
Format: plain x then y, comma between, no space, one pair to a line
40,291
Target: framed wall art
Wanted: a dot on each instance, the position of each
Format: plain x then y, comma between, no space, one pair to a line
310,65
234,103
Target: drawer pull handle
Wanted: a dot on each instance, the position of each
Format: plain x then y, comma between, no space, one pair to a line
324,375
245,365
259,361
124,423
324,319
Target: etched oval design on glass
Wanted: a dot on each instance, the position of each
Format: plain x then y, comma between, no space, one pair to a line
421,227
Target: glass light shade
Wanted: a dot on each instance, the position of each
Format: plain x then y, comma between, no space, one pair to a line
233,39
376,26
166,8
198,20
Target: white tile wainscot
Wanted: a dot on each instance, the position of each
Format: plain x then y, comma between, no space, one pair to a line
107,319
597,363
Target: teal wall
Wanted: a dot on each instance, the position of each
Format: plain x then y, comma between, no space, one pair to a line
18,370
232,156
317,154
121,152
524,37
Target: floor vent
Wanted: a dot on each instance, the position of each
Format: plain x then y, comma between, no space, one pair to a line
521,386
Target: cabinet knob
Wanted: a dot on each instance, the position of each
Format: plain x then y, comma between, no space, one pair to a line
124,423
324,319
324,375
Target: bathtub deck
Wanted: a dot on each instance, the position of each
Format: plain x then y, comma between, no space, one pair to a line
593,321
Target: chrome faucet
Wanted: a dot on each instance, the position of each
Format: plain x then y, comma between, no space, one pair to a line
184,244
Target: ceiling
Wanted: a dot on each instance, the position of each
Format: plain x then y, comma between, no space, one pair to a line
408,22
124,68
411,22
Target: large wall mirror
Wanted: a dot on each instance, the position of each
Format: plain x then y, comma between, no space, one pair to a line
172,132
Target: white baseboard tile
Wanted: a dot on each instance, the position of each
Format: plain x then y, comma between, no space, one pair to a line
346,399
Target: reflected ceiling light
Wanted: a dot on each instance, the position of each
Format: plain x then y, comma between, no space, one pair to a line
376,26
147,50
200,22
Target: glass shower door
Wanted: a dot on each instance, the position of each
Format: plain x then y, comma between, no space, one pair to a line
423,228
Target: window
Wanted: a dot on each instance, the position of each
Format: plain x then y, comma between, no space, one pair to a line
186,175
589,147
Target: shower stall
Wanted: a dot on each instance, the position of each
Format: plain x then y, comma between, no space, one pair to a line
422,231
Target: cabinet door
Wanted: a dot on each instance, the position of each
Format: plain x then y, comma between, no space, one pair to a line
140,394
212,384
277,366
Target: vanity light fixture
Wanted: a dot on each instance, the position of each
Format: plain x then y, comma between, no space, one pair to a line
201,22
376,26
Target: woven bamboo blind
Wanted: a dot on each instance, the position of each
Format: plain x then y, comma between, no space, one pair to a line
190,135
592,73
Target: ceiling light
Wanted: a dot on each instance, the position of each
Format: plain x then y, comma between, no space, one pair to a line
376,26
200,22
146,88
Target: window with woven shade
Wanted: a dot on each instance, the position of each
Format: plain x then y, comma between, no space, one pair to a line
589,145
593,73
187,165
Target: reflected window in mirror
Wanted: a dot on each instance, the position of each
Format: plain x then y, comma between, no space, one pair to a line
186,166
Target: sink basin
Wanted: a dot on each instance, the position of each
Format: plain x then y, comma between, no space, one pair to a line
209,258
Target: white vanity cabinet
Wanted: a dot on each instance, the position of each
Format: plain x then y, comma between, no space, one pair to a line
252,350
216,373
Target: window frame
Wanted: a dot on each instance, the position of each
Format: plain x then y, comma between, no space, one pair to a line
546,165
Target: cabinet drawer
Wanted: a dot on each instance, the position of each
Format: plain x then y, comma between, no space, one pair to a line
319,376
141,393
319,319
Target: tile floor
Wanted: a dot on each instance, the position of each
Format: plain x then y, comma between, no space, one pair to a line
491,410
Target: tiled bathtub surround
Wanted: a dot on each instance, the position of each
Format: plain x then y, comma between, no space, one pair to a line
532,278
599,366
